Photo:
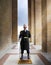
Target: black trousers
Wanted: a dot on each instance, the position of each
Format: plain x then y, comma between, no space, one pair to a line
22,51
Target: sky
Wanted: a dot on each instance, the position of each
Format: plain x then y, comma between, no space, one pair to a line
22,12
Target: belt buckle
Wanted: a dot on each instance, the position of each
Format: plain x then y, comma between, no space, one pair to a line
25,37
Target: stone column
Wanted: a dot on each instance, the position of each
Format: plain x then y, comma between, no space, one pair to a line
49,25
0,35
14,21
32,21
38,22
29,16
5,24
44,25
34,24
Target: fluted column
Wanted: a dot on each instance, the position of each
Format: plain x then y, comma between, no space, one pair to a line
14,21
44,25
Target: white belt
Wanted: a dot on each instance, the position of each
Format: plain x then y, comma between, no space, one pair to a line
25,37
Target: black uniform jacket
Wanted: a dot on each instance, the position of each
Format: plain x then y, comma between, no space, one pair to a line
24,43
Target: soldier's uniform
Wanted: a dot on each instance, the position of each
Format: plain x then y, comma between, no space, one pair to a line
24,43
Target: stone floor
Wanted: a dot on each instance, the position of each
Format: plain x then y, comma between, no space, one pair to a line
12,55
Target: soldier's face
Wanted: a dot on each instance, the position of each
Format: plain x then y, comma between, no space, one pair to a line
25,27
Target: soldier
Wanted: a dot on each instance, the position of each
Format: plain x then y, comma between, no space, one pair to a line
24,43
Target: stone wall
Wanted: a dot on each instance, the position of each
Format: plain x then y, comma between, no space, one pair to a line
5,23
